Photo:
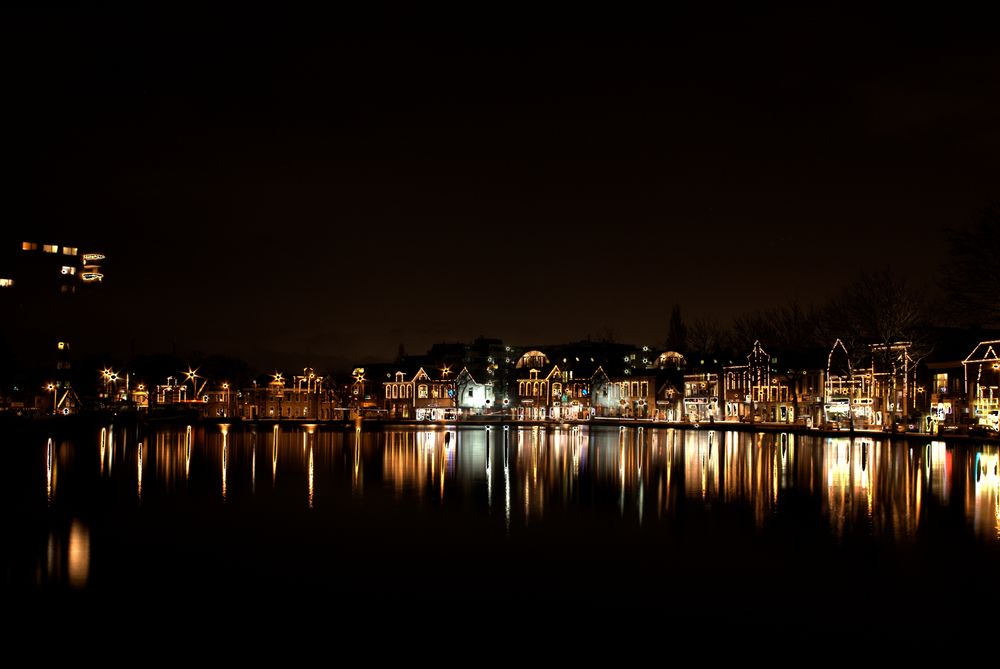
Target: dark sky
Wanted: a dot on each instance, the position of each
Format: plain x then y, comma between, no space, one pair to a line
336,184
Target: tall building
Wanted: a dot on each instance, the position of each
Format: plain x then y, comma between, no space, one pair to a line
47,296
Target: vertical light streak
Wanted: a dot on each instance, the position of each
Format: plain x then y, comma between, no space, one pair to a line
310,477
187,453
225,457
274,455
49,464
489,475
138,477
506,479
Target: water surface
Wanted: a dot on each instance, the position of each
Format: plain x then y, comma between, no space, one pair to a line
698,522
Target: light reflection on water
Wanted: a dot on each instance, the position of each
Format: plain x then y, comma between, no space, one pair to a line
891,492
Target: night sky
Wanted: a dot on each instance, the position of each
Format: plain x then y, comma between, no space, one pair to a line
267,183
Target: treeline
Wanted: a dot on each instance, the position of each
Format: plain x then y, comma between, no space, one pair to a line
876,307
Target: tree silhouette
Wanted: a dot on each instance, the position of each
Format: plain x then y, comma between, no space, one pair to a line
677,334
971,277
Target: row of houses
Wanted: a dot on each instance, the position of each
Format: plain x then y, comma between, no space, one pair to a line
884,387
887,387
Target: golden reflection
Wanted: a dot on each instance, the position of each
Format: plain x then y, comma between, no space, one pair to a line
111,447
187,453
701,465
274,455
859,485
310,477
79,554
986,495
139,471
421,461
506,479
225,457
49,465
104,445
356,477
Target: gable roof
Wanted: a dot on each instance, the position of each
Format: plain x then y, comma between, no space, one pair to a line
985,351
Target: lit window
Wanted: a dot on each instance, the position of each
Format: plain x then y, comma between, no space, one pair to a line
422,391
69,250
50,248
29,246
67,289
68,270
6,283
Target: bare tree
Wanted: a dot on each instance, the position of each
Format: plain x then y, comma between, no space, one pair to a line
707,339
971,277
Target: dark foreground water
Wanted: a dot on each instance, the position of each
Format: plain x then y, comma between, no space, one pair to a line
700,525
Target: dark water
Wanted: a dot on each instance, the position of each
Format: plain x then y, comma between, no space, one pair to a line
698,523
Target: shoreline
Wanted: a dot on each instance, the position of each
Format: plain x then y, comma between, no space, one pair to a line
379,424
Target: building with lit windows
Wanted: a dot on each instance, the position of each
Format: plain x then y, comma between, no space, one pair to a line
47,308
701,396
421,396
982,384
756,392
474,397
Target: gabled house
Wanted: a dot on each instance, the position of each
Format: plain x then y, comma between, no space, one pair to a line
982,384
420,396
474,397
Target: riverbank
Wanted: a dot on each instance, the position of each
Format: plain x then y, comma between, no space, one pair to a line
59,423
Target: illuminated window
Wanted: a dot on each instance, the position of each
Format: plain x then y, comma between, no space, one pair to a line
68,270
6,283
69,250
644,388
422,391
67,289
29,246
50,248
387,393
